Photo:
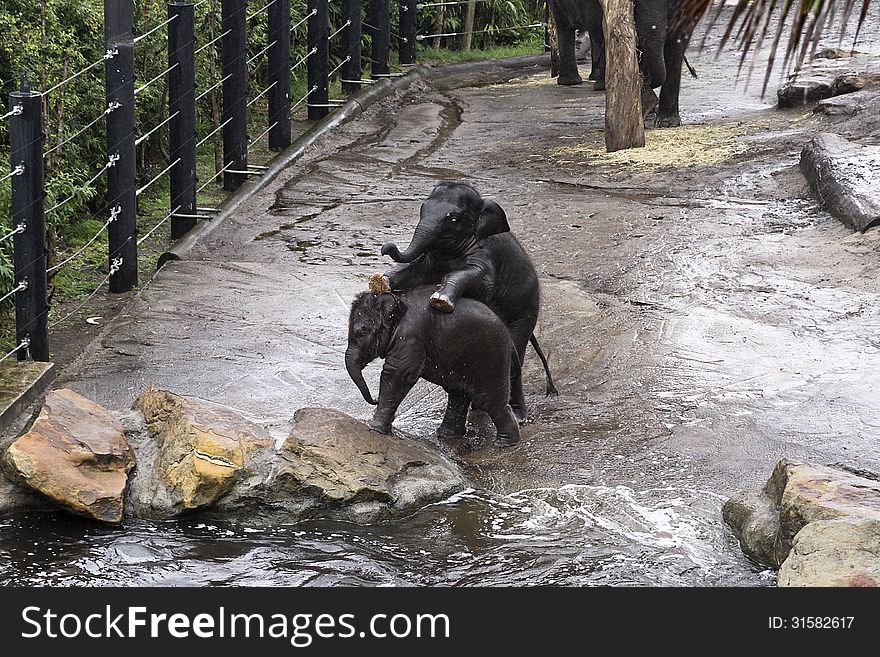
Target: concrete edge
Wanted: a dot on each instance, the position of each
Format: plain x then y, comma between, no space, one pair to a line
31,392
354,107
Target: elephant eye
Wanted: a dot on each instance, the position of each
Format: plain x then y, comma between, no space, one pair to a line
452,216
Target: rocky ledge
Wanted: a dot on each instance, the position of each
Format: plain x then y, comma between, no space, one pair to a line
820,526
174,455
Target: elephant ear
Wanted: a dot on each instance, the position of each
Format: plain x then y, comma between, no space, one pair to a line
491,221
391,308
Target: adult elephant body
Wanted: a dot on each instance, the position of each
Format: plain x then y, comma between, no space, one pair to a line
463,244
661,47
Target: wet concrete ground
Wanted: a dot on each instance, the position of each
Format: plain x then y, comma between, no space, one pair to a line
702,321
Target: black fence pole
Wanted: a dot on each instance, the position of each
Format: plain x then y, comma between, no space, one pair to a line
352,70
406,45
122,176
380,53
182,110
319,62
235,87
279,75
31,305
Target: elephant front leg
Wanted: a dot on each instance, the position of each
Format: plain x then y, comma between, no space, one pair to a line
667,112
455,420
405,276
394,385
568,70
455,285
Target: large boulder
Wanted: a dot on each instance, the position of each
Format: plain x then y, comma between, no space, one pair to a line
194,455
797,496
76,455
841,552
335,466
844,176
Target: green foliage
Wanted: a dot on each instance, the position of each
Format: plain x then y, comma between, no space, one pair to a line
493,20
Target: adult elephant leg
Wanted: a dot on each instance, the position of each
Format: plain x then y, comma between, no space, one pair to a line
667,112
455,420
568,71
597,43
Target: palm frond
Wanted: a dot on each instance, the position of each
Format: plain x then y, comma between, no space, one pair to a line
750,22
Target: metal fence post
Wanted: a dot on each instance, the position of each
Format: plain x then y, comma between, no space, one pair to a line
279,75
380,53
352,70
122,176
28,207
318,63
406,45
182,110
235,87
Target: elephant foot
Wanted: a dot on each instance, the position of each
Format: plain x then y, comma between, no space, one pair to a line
520,413
381,427
449,433
569,80
599,85
668,120
506,440
441,302
379,284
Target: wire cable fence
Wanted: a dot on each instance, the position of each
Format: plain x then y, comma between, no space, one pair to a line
221,78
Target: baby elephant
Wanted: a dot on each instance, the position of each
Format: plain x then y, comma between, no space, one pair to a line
467,352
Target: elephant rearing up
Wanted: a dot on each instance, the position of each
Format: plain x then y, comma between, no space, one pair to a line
463,244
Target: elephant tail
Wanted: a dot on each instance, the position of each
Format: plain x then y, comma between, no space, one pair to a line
691,69
551,389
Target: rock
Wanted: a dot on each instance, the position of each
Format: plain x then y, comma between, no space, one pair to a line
842,552
796,495
848,83
848,105
802,92
804,493
335,466
17,498
194,453
76,455
755,522
843,175
833,53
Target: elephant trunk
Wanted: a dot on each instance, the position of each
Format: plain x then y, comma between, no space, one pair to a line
355,371
422,240
652,41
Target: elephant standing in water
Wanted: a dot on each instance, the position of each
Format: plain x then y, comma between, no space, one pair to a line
467,352
463,243
660,43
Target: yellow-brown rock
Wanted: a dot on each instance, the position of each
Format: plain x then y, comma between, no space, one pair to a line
203,449
76,455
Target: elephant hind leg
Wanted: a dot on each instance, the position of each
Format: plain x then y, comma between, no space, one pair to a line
506,426
455,420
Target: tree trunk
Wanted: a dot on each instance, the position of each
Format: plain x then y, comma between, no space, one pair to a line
553,42
624,125
469,24
438,25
